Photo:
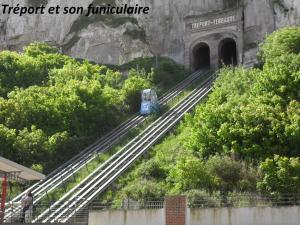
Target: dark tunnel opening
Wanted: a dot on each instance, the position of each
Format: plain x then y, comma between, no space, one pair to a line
201,57
227,52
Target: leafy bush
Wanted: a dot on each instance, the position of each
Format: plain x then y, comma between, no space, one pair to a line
132,91
7,138
165,72
150,170
37,48
168,74
283,41
200,198
191,173
280,175
281,78
143,190
30,68
231,175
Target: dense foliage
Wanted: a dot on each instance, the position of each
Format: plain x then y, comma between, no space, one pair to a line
284,41
280,174
163,70
244,138
51,106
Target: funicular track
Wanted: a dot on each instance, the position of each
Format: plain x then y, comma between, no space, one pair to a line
59,176
81,195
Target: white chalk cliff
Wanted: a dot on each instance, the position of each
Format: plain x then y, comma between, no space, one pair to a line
115,40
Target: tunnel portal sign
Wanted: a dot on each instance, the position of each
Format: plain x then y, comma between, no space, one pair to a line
206,24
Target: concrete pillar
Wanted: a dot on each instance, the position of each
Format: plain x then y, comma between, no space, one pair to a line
214,55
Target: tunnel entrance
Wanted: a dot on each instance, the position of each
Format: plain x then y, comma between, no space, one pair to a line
201,57
227,52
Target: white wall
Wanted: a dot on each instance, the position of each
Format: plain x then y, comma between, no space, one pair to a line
212,216
244,216
127,217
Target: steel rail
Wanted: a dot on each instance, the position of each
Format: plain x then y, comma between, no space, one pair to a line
60,175
153,131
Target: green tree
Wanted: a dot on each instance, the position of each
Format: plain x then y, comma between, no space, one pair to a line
280,175
113,79
7,139
231,175
24,70
190,173
143,190
150,169
37,48
167,74
280,77
283,41
17,70
132,91
31,146
74,71
292,128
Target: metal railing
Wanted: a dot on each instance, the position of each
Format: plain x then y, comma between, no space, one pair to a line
81,216
128,204
245,200
30,215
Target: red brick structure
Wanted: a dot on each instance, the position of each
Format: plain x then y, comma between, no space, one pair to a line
175,210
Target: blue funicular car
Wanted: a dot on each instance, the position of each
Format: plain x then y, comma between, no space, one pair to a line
149,103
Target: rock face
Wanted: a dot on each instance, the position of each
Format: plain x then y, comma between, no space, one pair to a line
116,40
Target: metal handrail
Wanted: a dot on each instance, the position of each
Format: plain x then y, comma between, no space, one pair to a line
245,200
82,215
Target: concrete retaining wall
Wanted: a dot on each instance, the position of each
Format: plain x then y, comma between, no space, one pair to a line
212,216
127,217
47,223
244,216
